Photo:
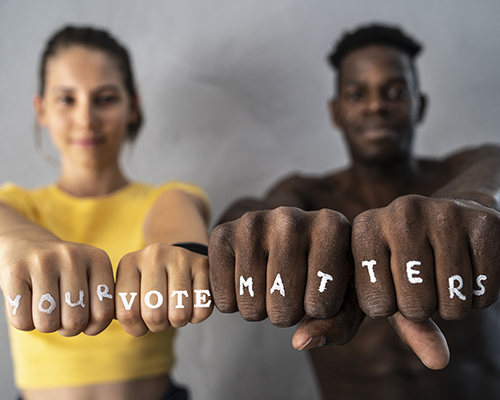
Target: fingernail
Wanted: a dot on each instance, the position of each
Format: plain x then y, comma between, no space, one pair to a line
315,341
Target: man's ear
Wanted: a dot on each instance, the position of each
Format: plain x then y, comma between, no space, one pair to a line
39,110
333,108
422,107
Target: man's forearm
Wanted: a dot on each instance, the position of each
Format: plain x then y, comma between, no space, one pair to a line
479,182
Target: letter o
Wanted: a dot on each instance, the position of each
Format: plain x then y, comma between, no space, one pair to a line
159,301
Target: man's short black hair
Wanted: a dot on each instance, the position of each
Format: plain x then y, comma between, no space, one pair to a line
373,34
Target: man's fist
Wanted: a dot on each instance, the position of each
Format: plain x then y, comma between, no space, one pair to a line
286,264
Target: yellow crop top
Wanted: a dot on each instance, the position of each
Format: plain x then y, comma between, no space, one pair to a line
113,223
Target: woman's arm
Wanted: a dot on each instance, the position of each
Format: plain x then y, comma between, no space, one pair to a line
51,285
170,283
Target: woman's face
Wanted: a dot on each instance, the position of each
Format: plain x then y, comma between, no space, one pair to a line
85,107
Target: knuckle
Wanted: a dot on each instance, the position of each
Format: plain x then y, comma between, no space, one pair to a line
332,223
253,313
128,318
224,302
377,306
179,318
285,319
155,321
22,324
415,310
222,234
201,315
452,312
47,326
74,324
102,315
287,219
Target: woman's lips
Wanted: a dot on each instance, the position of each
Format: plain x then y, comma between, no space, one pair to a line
89,142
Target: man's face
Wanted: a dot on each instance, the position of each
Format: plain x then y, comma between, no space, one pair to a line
378,104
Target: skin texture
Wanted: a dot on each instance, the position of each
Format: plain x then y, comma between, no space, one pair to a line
87,110
442,213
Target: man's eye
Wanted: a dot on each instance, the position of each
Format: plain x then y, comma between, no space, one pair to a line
354,95
397,93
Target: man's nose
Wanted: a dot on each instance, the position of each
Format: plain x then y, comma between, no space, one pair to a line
377,103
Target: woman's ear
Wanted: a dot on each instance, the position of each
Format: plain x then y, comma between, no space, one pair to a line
39,109
135,106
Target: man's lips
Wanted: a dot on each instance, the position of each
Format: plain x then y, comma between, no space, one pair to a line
378,131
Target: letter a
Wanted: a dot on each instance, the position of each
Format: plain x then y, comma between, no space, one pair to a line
278,285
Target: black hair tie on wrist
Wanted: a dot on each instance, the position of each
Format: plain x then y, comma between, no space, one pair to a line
194,247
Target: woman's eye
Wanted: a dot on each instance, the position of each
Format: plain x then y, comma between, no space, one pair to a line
106,99
65,99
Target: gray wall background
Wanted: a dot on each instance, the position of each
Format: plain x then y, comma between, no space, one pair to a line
235,96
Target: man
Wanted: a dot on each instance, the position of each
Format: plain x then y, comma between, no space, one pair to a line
405,238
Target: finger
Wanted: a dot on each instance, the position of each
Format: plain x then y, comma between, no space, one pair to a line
484,242
338,330
128,294
18,300
288,240
46,298
250,278
101,295
154,302
329,264
412,258
453,274
374,283
203,304
425,339
74,294
221,259
180,302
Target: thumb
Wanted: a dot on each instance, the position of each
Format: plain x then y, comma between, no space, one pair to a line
335,331
425,339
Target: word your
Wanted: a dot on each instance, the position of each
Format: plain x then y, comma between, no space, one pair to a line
47,303
413,278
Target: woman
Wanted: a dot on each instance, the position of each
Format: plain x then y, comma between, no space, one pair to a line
61,244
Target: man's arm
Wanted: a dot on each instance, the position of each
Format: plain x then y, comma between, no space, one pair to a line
477,177
439,253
